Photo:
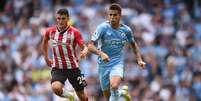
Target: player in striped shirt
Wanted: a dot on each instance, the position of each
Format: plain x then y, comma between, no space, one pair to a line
63,40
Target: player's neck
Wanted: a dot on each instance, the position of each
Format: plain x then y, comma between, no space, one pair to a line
115,26
61,29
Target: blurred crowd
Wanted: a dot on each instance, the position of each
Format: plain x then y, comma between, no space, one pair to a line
167,31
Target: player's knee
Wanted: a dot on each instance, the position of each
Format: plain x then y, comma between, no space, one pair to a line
106,94
114,86
57,88
115,82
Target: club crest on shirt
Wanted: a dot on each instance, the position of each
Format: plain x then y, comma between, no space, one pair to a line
123,34
69,35
109,33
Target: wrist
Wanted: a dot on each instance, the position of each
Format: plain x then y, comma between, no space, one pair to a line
86,49
139,59
46,59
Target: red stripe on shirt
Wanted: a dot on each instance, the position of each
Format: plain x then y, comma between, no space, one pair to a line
55,58
74,47
61,51
68,41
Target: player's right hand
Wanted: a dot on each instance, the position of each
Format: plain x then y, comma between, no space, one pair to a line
142,64
104,57
83,53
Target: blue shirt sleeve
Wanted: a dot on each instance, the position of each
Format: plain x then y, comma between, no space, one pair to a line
98,33
130,36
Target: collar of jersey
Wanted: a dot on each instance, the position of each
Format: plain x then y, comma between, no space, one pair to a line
61,32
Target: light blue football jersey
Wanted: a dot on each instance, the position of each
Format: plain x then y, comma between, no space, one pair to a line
111,41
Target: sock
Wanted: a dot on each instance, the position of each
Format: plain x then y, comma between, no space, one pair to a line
114,95
124,93
67,94
121,92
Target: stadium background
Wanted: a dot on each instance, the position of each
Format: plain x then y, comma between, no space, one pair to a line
168,32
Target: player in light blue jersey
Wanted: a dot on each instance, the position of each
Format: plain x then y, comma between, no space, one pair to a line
111,36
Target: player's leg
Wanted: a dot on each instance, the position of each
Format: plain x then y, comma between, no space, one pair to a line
116,75
105,81
57,83
82,96
124,93
78,82
106,94
114,82
57,87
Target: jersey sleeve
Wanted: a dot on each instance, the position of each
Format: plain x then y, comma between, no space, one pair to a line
97,34
130,36
46,33
78,38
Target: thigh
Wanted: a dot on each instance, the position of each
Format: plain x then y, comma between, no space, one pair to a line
77,79
104,78
58,75
117,71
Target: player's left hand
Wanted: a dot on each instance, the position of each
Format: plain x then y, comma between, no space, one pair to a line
84,53
142,64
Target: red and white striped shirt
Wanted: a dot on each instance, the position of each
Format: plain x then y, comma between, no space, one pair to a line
64,47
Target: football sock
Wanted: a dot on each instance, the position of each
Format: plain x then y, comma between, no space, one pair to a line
124,92
114,95
67,94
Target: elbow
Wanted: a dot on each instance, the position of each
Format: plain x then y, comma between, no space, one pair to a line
91,46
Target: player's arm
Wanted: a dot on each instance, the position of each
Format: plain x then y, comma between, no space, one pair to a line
135,48
45,49
92,44
80,41
92,48
137,53
84,51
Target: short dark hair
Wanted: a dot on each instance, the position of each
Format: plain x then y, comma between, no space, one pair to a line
115,6
63,11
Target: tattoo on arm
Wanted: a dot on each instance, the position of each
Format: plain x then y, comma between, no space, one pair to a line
136,51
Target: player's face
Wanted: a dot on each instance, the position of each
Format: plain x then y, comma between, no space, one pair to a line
62,21
114,17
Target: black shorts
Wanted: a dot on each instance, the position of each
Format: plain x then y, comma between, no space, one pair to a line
74,76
